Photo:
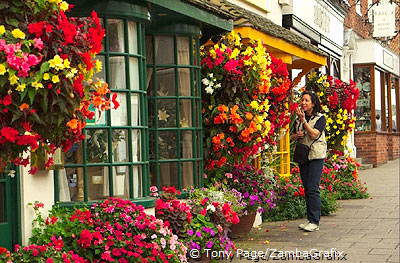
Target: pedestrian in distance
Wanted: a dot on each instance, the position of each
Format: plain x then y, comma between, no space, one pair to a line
312,147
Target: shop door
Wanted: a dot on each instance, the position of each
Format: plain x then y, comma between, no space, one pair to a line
8,210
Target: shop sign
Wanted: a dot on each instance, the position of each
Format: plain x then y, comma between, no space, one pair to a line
384,20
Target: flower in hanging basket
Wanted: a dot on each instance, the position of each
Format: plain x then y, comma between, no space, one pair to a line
46,87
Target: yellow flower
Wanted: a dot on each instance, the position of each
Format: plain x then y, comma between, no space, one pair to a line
56,62
13,79
2,30
2,69
21,87
55,79
234,53
340,110
64,6
259,127
55,1
352,125
254,104
335,127
66,63
99,66
326,84
37,85
17,33
337,132
46,76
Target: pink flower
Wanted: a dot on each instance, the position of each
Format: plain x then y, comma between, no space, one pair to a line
38,43
229,175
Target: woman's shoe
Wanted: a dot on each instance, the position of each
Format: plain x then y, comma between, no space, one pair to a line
311,227
303,225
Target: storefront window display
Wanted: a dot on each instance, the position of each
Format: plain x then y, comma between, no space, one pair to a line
362,76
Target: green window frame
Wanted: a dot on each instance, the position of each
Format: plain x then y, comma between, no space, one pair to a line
176,152
123,58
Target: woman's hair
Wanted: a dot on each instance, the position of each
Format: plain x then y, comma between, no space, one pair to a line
314,100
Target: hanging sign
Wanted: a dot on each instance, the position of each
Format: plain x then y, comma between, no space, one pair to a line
384,20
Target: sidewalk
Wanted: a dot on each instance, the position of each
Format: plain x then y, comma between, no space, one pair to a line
366,230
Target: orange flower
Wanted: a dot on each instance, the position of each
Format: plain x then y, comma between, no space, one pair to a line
245,133
236,119
222,108
217,138
23,106
73,124
103,90
234,109
220,118
263,89
253,127
97,101
249,116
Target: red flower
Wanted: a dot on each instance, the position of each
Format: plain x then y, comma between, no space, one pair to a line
114,101
9,133
7,100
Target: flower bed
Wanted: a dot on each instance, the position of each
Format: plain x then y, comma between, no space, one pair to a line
114,230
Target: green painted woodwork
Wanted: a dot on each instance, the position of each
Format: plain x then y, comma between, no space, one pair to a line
10,229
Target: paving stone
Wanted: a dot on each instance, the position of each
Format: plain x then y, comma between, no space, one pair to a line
367,229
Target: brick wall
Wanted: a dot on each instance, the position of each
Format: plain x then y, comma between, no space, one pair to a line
377,148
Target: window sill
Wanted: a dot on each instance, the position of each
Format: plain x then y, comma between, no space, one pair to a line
146,202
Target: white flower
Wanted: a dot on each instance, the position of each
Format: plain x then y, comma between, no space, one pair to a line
211,207
205,81
218,85
209,90
211,75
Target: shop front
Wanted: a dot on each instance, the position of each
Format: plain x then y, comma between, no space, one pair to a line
150,58
376,71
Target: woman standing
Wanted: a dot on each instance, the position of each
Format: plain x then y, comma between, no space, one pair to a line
310,126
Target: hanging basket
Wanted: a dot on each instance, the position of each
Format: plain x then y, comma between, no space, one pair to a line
244,226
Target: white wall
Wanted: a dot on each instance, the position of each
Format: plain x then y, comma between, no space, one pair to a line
38,187
305,9
270,9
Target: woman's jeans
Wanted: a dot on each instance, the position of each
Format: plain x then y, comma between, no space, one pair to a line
310,173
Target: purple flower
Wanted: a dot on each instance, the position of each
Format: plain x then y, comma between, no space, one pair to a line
190,232
198,233
253,197
245,195
194,245
209,244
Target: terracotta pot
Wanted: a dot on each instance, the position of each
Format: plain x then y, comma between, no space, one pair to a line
203,259
244,226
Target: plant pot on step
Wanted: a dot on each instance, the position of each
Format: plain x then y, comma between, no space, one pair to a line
202,259
244,226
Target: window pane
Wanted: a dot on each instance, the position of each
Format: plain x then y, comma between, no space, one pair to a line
97,145
71,186
187,174
184,81
187,144
98,183
137,181
185,113
378,102
135,110
153,174
167,144
119,117
134,73
132,37
152,145
149,49
136,145
74,155
169,174
166,114
166,82
115,33
393,100
120,145
2,203
102,73
200,145
121,181
197,87
164,49
152,115
117,73
183,50
363,111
